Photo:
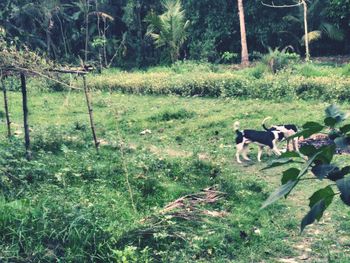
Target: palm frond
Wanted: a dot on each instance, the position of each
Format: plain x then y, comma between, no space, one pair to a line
292,19
313,36
170,28
332,31
102,15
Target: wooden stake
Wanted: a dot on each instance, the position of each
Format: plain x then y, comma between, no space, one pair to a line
87,96
8,121
25,116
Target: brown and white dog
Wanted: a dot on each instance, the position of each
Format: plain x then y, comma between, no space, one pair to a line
260,138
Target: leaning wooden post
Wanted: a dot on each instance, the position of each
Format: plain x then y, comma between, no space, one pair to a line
25,116
87,96
8,121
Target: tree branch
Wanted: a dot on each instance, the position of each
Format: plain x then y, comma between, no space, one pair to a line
281,6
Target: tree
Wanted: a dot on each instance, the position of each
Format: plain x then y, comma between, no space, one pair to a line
170,28
244,51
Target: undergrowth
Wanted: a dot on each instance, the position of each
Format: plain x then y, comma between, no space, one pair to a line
70,204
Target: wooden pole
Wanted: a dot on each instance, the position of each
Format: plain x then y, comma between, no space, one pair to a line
25,116
307,49
8,121
90,110
87,3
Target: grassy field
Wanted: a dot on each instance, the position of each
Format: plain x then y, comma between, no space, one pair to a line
70,204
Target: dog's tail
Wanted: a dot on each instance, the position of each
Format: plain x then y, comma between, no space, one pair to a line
236,126
263,123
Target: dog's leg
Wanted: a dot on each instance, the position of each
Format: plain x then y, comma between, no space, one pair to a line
239,149
288,145
296,144
260,149
245,152
275,149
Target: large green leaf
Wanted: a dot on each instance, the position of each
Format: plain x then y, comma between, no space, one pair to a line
283,190
336,175
308,150
330,121
344,188
344,129
342,142
313,126
290,175
334,112
323,170
326,194
308,164
326,153
315,212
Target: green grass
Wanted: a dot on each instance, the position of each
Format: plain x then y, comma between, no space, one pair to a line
71,205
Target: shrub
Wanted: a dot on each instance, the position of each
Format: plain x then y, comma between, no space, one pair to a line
258,71
277,60
229,57
346,70
248,83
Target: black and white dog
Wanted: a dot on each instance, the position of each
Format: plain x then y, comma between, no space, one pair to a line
261,138
287,131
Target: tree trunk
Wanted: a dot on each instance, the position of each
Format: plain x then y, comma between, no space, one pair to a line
25,116
105,41
90,110
244,54
139,57
307,50
99,35
8,121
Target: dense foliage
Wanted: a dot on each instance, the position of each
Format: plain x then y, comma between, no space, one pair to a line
114,32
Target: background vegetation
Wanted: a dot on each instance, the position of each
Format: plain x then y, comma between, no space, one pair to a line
116,30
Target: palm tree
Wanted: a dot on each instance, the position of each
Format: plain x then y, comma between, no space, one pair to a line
169,29
245,57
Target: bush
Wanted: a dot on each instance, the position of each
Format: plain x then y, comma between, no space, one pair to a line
251,84
346,70
277,60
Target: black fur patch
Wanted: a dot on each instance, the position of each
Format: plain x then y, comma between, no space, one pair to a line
262,137
290,127
239,138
